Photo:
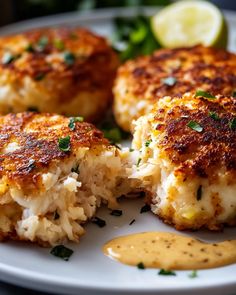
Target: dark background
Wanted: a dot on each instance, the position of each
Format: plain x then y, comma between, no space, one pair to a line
16,10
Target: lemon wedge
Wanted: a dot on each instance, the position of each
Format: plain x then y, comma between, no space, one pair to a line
188,23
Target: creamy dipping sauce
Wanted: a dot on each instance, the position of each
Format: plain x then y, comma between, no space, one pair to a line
170,251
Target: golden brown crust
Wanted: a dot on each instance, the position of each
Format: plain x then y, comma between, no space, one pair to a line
196,67
40,55
198,153
36,136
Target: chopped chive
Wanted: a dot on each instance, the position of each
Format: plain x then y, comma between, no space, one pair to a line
58,43
98,221
193,274
42,43
199,193
147,143
69,58
164,272
195,126
73,120
56,215
214,116
232,124
62,252
64,143
140,265
170,81
8,58
116,212
138,162
204,94
145,208
132,221
39,76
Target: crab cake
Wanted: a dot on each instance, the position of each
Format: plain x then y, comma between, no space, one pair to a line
170,72
67,71
187,160
54,173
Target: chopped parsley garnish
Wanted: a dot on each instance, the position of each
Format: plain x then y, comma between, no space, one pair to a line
138,162
29,48
98,221
39,76
58,43
33,109
145,208
69,58
42,43
131,150
193,274
232,124
199,193
147,143
132,221
64,143
140,265
214,116
73,120
8,58
164,272
114,134
116,212
56,215
170,81
195,126
234,93
62,252
204,94
75,169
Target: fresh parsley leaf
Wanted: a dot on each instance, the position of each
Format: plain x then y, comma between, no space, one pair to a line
69,58
42,43
145,208
164,272
140,265
98,221
64,143
62,252
39,76
232,124
214,116
199,193
113,134
147,143
170,81
195,126
131,150
8,58
116,212
193,274
73,120
58,43
204,94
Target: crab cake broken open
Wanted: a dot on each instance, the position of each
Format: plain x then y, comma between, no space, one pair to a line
187,160
65,70
170,72
54,173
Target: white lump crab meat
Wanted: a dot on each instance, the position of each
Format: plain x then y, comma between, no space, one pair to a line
54,173
186,158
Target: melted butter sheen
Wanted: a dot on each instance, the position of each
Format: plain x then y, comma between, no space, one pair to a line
170,251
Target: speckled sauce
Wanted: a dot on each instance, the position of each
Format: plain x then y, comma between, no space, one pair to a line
170,251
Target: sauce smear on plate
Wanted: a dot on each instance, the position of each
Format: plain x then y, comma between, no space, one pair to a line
170,251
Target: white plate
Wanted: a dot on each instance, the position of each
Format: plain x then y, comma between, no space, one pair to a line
89,272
